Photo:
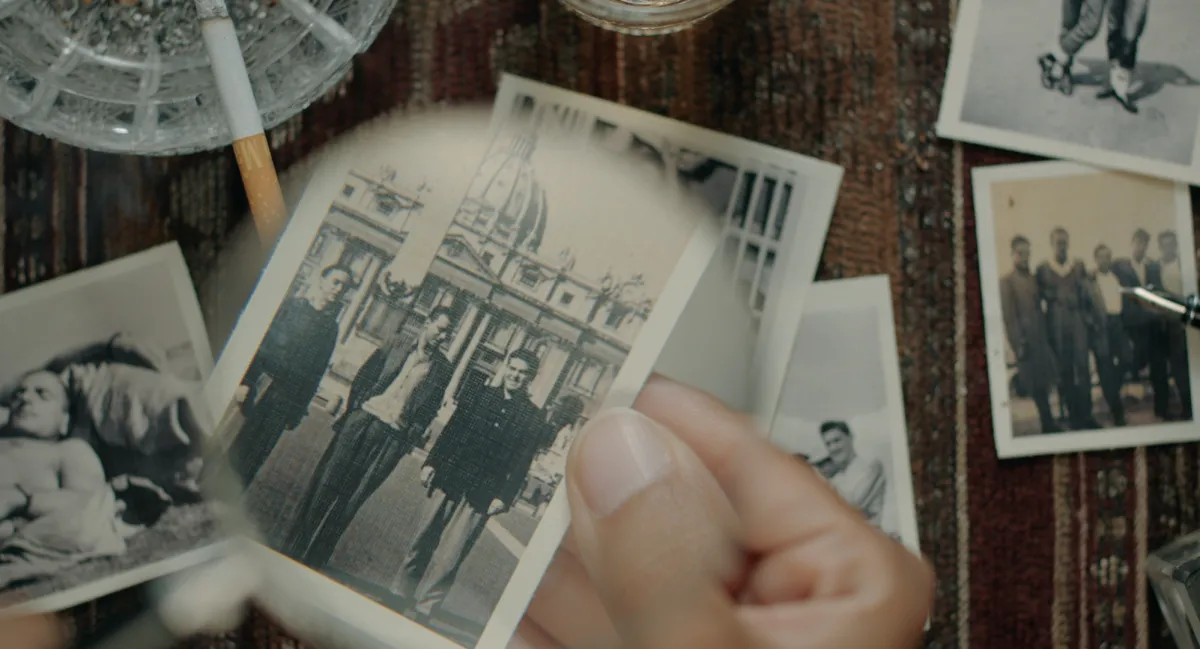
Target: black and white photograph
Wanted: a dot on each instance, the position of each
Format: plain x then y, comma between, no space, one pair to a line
1076,363
842,405
431,345
103,431
1114,84
774,208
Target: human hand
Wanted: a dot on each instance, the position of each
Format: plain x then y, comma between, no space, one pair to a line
496,507
32,632
689,530
426,475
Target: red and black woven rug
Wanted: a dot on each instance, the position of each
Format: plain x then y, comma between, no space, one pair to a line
1043,552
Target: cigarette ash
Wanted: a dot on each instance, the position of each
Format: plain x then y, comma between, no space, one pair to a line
130,29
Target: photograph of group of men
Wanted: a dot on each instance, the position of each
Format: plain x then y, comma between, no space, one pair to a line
480,464
1084,353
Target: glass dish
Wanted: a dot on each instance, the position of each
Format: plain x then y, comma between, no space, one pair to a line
1174,572
645,17
132,76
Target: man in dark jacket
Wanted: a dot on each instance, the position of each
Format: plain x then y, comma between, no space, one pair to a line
475,470
284,375
1143,326
1063,287
1110,344
393,399
1028,335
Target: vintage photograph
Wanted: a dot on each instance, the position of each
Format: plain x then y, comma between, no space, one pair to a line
103,430
401,424
1114,84
774,208
842,406
1074,362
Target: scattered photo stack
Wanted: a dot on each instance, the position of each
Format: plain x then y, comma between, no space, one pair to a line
1075,363
454,297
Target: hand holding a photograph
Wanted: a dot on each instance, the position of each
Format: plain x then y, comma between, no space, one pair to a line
691,530
32,632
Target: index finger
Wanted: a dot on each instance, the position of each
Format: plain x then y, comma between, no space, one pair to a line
780,500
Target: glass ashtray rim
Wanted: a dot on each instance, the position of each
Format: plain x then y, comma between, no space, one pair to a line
645,18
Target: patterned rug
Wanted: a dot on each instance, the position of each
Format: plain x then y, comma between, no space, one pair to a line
1030,553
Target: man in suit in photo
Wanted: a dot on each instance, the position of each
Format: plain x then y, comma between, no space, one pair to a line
394,397
1174,333
1025,327
286,373
1063,286
1110,345
1126,22
475,470
1143,326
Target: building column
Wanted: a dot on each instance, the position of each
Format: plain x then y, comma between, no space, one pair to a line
464,327
359,303
518,338
465,361
332,254
552,366
607,376
570,364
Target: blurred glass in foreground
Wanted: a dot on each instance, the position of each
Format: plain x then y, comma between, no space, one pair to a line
645,17
1174,572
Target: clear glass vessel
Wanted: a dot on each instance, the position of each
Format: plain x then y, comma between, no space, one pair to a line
1174,572
645,17
132,76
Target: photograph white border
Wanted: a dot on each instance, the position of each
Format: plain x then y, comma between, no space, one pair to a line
170,258
1008,446
950,124
875,292
345,605
804,230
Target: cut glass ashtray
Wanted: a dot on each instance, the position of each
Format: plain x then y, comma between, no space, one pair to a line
1174,572
132,76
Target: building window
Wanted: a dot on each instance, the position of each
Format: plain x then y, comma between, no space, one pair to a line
616,315
587,378
530,276
566,298
455,248
348,191
502,333
432,292
536,345
318,245
356,258
381,319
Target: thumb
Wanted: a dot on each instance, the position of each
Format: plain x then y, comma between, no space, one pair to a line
656,535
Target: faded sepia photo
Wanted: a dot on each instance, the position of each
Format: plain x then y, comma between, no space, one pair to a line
1070,353
103,431
1115,84
773,208
842,405
403,423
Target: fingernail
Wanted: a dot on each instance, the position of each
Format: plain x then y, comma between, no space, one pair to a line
622,452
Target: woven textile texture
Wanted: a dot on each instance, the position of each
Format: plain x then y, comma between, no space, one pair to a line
1030,553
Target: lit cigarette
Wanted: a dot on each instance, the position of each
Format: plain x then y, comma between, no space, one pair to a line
249,141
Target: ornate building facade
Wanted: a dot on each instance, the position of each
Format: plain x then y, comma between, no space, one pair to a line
505,291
